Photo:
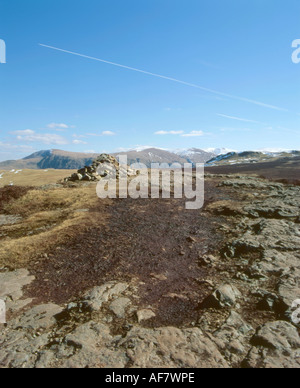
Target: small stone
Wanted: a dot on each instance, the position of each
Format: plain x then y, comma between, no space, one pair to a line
207,260
268,302
224,296
160,277
72,306
118,306
145,315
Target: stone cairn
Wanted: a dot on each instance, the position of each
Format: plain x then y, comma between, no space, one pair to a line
101,167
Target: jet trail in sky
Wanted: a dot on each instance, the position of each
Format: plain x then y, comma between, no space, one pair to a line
170,79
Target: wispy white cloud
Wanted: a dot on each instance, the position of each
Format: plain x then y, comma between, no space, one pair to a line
7,147
108,133
181,133
58,126
78,136
30,136
24,132
103,133
193,134
10,151
169,132
77,141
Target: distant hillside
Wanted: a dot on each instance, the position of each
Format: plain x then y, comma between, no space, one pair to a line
152,155
155,155
64,160
56,159
250,157
196,155
286,169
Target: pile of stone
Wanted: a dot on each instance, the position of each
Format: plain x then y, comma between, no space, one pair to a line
105,165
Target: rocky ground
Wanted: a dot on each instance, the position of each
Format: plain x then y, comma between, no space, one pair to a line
159,286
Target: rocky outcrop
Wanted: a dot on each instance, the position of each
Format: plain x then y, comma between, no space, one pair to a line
41,336
11,285
265,262
276,345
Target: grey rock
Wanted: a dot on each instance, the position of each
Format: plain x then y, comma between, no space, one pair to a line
224,296
118,307
11,285
233,338
265,359
95,298
269,302
9,220
278,335
276,345
19,349
75,177
170,347
251,183
145,315
39,317
86,178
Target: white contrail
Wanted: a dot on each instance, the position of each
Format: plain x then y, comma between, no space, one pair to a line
240,119
169,79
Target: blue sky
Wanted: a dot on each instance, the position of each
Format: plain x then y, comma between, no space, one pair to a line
239,48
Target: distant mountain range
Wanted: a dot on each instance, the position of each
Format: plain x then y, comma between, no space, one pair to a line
155,155
250,157
58,159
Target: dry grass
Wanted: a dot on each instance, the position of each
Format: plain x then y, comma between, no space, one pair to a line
33,177
38,200
49,219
